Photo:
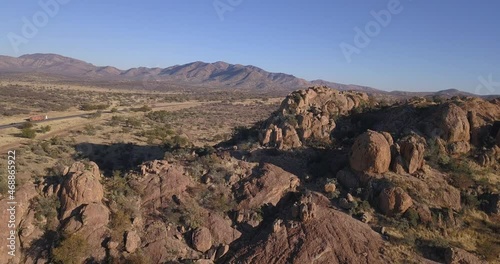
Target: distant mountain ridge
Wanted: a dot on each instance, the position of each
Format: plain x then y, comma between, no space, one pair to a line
218,74
196,74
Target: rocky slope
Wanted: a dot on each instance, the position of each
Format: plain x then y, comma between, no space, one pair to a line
334,178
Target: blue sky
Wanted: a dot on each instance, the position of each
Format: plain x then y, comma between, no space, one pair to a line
427,45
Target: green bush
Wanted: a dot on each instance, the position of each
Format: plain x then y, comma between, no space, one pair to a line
412,216
90,130
46,207
28,133
119,223
95,115
91,107
161,116
133,122
72,250
27,125
45,129
470,200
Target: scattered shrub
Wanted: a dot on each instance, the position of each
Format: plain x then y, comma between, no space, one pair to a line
412,216
72,250
45,129
28,133
91,107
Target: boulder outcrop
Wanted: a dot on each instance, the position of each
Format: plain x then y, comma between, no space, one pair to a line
321,239
460,256
201,239
450,123
80,186
268,188
412,150
308,115
370,153
394,201
159,181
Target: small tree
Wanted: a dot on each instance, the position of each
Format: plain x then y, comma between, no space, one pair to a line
27,125
28,133
45,129
72,250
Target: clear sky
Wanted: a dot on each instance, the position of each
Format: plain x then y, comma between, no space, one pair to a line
426,45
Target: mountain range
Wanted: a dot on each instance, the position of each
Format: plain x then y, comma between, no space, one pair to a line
196,74
218,74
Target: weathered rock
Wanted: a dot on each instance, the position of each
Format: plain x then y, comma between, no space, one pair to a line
201,239
291,138
132,241
157,243
322,239
432,189
90,222
159,181
412,149
220,228
460,256
453,123
268,188
308,115
80,186
370,153
388,137
458,147
366,217
394,200
112,244
221,251
349,198
489,157
247,216
307,211
277,224
330,187
29,231
450,123
424,213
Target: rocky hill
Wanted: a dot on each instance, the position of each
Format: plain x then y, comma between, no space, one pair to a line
199,74
331,177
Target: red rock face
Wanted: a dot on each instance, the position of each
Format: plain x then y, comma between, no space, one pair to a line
328,237
201,239
308,115
393,201
412,150
81,186
370,153
268,188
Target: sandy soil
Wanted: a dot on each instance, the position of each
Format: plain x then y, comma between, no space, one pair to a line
9,139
